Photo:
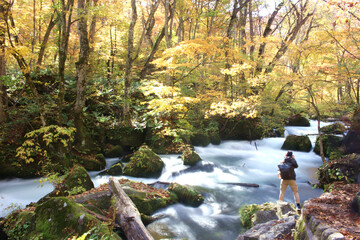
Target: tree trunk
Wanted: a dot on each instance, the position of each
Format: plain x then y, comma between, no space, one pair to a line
266,33
127,214
24,67
313,103
3,94
65,23
81,77
129,62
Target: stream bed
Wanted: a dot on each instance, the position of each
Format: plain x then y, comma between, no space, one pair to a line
230,162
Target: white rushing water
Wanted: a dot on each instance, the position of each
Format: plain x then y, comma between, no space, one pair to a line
230,162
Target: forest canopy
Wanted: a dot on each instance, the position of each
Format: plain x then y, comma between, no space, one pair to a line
173,64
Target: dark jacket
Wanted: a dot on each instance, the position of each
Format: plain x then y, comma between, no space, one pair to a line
294,165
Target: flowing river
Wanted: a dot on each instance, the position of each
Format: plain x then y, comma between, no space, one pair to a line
230,162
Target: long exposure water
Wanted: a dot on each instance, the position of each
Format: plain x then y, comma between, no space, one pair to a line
230,162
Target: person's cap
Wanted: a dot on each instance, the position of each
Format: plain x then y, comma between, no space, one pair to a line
289,153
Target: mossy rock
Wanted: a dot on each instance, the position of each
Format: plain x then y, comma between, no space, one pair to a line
19,224
114,170
186,195
190,157
75,182
215,138
144,163
331,144
335,128
241,129
92,163
252,214
114,152
200,139
60,218
297,143
147,202
298,120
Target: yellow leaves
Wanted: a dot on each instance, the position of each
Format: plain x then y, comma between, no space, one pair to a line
236,69
245,107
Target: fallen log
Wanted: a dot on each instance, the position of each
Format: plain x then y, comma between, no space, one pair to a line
243,184
127,214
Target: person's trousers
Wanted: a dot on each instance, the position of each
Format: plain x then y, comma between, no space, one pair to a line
292,183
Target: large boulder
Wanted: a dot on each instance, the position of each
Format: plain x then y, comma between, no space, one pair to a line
144,163
351,142
253,214
114,170
297,143
352,138
186,194
335,128
146,198
76,181
240,128
355,204
190,157
56,218
331,145
114,151
298,120
201,139
274,229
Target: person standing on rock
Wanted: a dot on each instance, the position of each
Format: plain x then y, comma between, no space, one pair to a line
288,177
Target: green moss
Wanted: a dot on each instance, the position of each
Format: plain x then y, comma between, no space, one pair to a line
75,182
115,170
57,218
190,157
247,212
297,143
335,128
144,163
331,145
116,151
186,195
200,139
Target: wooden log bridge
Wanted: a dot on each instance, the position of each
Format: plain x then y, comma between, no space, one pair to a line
127,214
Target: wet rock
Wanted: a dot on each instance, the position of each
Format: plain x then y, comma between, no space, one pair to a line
114,170
75,182
144,163
200,139
186,195
297,143
57,218
274,229
200,167
298,120
335,128
114,152
190,157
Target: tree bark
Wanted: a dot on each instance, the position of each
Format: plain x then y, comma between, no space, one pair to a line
266,33
313,103
65,22
81,76
129,62
24,67
127,214
3,93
